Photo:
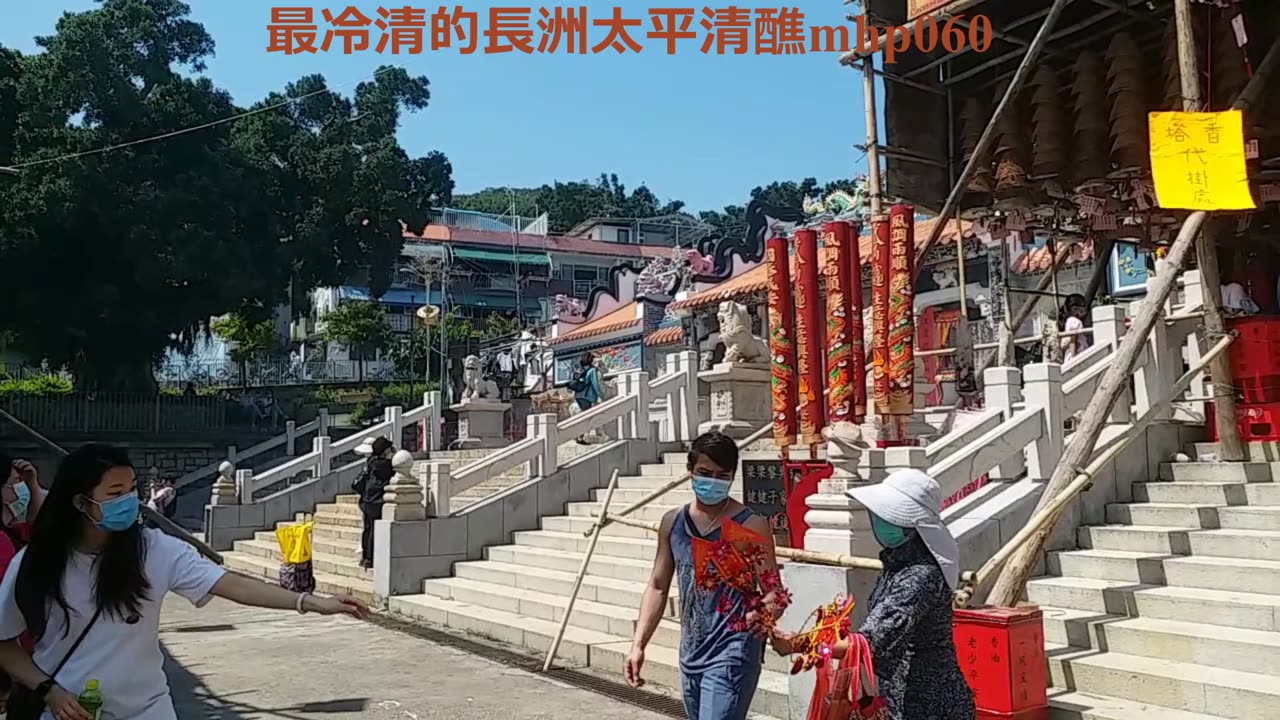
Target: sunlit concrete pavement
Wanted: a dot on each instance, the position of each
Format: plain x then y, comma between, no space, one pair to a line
226,662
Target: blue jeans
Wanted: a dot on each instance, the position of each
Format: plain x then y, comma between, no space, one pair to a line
722,692
584,404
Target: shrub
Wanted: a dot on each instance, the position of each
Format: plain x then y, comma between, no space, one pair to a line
36,386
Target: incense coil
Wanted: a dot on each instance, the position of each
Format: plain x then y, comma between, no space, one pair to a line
1048,125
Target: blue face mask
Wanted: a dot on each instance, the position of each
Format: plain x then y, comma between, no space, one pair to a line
886,533
709,490
119,514
20,503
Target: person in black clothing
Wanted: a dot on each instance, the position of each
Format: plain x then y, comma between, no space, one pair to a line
371,486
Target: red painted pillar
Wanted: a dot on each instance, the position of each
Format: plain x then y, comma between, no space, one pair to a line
900,337
838,302
782,349
880,313
809,340
1001,653
854,260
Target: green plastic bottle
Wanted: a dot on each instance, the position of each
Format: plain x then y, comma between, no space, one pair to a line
91,700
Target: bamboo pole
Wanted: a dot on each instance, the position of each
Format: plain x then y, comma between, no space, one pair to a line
1050,513
1008,587
874,189
810,556
1230,448
989,133
582,573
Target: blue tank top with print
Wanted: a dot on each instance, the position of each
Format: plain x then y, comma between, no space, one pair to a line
705,638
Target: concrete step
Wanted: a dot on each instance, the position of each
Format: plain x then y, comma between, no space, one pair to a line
623,498
1250,517
611,591
1246,650
334,533
344,563
333,519
601,651
662,470
351,499
344,509
1245,575
650,513
1262,493
676,458
327,583
1177,685
1219,472
1255,451
545,558
1192,493
601,617
1220,607
578,525
1070,705
1231,543
1188,515
629,548
643,482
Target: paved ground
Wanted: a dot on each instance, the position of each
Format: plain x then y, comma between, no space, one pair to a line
234,663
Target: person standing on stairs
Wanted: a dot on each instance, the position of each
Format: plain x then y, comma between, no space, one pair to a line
719,667
371,485
89,587
585,385
908,623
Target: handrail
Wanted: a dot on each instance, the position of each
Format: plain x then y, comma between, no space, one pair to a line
165,524
958,439
270,443
496,463
1047,516
608,409
658,385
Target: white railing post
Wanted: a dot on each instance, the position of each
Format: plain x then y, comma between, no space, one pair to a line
431,400
322,423
543,426
1193,293
1042,388
290,437
685,399
1002,388
395,416
244,486
624,385
635,424
225,491
320,446
439,489
1153,379
232,454
1109,327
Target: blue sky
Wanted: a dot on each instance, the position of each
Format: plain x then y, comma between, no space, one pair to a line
700,128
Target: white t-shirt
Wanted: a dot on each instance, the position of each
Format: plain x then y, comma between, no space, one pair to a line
124,658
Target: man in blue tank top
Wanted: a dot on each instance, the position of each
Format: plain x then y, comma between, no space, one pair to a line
719,667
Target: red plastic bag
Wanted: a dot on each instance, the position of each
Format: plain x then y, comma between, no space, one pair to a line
836,684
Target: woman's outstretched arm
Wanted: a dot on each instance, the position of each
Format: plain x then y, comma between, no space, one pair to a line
249,591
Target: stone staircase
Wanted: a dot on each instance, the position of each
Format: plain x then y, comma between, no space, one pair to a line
519,593
458,458
1172,609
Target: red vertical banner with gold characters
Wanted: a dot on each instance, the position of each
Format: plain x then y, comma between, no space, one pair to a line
880,313
782,347
858,350
809,341
901,317
839,311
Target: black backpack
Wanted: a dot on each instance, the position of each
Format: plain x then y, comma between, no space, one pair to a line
578,383
362,480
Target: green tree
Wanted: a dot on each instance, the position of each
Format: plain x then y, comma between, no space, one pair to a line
246,338
146,242
568,204
360,326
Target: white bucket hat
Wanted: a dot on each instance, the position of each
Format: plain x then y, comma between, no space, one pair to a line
912,499
365,448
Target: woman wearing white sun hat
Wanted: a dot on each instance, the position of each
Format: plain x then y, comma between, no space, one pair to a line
908,623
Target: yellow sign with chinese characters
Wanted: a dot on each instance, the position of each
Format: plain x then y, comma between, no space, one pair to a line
1197,161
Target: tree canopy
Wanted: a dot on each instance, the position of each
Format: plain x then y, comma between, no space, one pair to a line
117,250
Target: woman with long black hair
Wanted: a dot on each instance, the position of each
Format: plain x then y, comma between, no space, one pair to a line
88,588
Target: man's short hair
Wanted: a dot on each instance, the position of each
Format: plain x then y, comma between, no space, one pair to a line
719,449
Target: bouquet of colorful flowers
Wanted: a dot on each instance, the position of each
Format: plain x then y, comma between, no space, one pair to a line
831,625
736,562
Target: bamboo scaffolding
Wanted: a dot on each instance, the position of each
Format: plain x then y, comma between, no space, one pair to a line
582,573
971,582
1009,585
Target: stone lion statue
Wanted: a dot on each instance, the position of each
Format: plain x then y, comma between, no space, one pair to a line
476,385
735,332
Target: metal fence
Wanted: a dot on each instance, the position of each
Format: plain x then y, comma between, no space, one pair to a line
120,412
270,373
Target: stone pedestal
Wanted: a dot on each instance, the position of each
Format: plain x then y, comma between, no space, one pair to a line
740,398
480,423
225,490
404,499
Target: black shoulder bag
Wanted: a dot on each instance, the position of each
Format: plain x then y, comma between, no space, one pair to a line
28,704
